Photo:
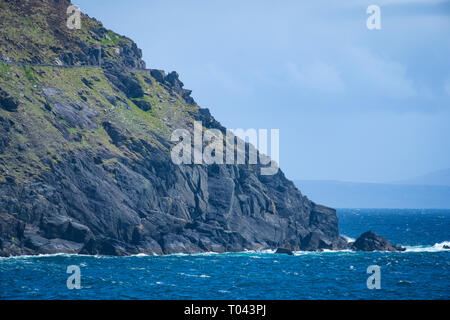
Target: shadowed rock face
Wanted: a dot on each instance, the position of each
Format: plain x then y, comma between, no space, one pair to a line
85,161
7,102
370,241
157,207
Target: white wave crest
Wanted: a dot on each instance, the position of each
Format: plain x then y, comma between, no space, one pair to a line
437,247
299,253
44,255
194,275
348,239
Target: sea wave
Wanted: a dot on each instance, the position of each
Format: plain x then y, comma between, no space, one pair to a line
41,255
299,253
194,275
347,238
437,247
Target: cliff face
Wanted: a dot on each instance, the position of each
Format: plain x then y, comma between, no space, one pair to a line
85,161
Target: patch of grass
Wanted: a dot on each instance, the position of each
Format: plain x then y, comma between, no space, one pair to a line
30,74
111,39
5,71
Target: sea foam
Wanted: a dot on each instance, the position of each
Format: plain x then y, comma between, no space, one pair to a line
437,247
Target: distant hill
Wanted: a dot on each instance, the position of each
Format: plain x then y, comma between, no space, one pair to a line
339,194
436,178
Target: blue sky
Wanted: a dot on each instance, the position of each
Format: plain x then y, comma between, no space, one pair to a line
351,104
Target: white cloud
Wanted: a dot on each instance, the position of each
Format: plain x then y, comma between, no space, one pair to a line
379,74
317,75
221,78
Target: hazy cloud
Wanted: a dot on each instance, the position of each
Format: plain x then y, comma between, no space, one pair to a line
317,75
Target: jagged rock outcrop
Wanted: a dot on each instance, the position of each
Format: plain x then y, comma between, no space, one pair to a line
370,241
173,82
85,164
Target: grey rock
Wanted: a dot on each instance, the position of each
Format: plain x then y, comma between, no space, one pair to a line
173,82
64,228
76,114
5,129
87,82
7,102
144,105
159,75
105,246
50,246
51,92
111,99
117,137
125,81
315,241
370,241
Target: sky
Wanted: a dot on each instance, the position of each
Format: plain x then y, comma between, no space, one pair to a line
351,104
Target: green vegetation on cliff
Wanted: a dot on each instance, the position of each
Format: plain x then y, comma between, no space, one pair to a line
43,134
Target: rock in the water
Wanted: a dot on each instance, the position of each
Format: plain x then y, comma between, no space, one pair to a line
446,247
284,251
370,241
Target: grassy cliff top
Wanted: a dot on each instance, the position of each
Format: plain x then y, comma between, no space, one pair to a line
36,31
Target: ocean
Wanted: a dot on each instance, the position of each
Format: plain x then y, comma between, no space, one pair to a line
421,272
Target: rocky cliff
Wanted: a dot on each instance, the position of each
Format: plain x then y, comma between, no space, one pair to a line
85,161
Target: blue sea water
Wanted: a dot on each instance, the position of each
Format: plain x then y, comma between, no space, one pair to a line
419,273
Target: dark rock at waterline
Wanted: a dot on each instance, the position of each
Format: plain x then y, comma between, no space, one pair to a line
446,247
370,241
284,251
153,206
105,246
